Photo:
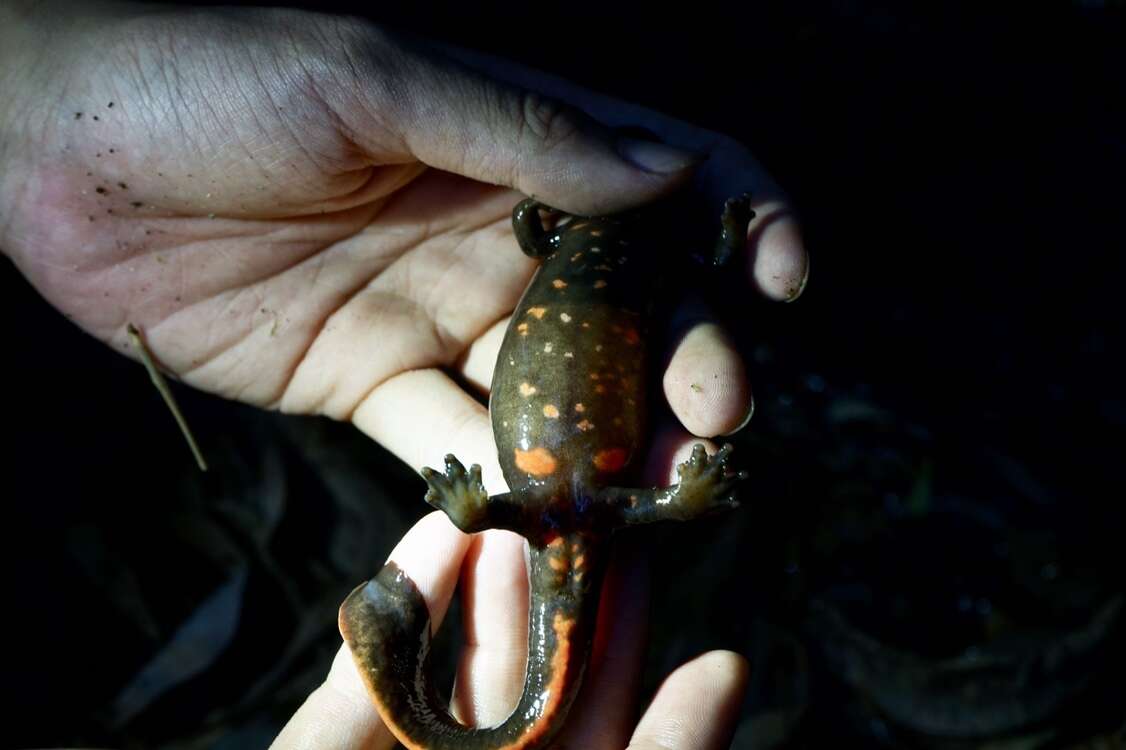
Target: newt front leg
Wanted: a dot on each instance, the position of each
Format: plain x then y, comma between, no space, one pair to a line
462,496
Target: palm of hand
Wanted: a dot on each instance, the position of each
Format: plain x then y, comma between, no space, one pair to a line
267,255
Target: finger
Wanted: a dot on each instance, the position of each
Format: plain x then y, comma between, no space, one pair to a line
705,382
479,360
777,261
453,118
339,715
604,711
697,706
671,447
422,415
490,674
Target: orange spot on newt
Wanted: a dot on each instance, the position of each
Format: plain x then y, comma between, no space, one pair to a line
599,388
550,411
580,408
538,312
556,542
631,336
585,425
611,459
538,462
599,284
523,329
527,389
557,564
579,561
559,284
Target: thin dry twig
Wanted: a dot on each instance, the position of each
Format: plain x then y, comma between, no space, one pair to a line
166,392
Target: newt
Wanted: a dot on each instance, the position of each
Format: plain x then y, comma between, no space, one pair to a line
568,407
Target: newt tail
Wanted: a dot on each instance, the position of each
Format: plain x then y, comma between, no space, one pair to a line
386,623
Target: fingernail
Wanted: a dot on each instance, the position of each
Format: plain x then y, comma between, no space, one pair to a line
656,157
796,292
746,419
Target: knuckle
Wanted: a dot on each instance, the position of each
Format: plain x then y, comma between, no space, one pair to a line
548,121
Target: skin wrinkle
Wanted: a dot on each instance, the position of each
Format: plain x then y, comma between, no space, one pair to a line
318,405
447,340
317,326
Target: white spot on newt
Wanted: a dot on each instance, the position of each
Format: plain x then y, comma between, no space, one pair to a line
547,348
559,284
527,389
551,411
565,317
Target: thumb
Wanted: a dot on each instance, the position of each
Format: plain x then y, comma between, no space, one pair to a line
456,119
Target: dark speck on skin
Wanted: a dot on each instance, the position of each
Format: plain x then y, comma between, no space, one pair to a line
112,151
136,204
95,117
123,186
110,104
78,115
91,218
99,154
100,190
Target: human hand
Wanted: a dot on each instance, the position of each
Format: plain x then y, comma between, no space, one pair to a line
695,709
250,188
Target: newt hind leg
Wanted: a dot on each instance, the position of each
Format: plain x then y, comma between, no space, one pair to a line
706,485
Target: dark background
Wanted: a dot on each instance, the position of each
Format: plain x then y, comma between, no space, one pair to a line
932,554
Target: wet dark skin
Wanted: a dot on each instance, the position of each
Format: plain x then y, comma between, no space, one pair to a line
568,408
